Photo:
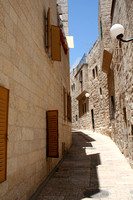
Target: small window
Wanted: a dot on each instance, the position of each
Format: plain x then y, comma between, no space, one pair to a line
73,87
112,108
76,117
64,102
96,68
112,9
132,130
69,111
125,116
84,108
81,77
101,30
93,72
100,91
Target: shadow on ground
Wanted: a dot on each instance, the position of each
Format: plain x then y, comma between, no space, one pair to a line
77,177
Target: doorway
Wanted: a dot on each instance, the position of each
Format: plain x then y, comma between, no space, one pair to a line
92,117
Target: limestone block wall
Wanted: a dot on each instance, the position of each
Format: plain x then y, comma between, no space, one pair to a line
75,111
79,122
35,84
122,64
98,90
120,74
104,23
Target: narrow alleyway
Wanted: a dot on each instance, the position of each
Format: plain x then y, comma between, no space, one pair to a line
94,168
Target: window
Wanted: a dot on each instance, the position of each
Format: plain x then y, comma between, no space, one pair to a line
69,111
96,69
64,102
125,116
76,117
81,77
4,98
100,91
112,9
112,108
52,133
93,73
101,30
48,31
52,40
84,108
73,87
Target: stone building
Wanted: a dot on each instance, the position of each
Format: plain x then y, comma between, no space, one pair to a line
122,65
90,112
35,116
110,101
119,69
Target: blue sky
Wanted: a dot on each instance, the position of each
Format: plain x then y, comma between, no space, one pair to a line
83,25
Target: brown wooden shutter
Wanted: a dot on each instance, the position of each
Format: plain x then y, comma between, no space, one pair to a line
4,97
48,29
52,133
64,100
55,43
107,57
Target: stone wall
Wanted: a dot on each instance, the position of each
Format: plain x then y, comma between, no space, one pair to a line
98,90
122,64
120,73
64,14
104,23
35,84
98,94
113,103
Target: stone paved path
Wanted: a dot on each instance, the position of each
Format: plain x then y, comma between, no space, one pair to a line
94,168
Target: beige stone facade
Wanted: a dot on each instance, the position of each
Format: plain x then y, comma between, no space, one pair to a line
122,65
35,84
94,82
111,91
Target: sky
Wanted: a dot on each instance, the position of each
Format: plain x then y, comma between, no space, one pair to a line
83,26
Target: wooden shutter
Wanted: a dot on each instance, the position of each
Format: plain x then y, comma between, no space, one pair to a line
4,97
48,29
64,101
55,43
52,133
107,57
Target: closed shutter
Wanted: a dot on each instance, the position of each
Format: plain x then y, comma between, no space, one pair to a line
4,97
107,58
48,29
55,43
52,133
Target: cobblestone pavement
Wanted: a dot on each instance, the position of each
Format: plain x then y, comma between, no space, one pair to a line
94,168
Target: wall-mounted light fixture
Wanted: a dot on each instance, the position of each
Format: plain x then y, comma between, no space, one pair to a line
87,95
117,31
